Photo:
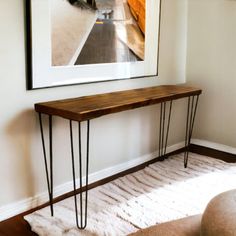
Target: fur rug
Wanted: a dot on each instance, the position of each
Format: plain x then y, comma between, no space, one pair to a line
161,192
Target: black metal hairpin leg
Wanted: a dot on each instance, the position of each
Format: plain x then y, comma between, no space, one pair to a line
164,129
191,113
83,216
49,179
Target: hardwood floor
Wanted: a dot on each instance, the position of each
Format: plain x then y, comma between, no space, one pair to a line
17,226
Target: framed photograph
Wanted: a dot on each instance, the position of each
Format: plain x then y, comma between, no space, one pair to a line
84,41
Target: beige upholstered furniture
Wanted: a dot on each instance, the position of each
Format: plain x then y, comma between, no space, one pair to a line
189,226
218,219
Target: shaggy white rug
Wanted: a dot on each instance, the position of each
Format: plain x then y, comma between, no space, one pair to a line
161,192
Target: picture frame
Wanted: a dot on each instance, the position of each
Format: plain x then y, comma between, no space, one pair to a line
43,71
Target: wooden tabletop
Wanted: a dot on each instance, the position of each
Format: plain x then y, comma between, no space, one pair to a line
89,107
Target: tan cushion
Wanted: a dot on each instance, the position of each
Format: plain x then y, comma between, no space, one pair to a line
219,218
189,226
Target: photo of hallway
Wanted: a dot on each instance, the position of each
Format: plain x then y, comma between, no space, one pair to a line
94,32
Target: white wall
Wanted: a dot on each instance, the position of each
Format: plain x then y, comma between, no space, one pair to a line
211,65
115,138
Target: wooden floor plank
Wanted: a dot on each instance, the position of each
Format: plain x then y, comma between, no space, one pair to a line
16,226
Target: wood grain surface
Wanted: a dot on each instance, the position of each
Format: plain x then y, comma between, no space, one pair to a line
89,107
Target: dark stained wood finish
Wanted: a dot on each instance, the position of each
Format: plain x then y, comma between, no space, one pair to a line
16,226
224,156
89,107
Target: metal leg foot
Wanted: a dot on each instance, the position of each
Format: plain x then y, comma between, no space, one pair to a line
81,221
164,129
191,113
49,178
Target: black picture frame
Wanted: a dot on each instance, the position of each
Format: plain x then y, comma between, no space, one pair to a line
30,67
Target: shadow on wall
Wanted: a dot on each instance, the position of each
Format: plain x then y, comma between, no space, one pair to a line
20,131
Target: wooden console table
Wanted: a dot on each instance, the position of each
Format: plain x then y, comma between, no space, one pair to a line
89,107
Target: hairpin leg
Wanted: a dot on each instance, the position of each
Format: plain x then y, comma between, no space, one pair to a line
191,113
164,129
83,216
49,178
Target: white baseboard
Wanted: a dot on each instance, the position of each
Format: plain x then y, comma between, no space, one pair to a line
13,209
216,146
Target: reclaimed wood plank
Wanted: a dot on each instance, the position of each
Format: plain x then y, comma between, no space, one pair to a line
90,107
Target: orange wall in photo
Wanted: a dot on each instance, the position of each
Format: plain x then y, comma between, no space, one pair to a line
138,10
